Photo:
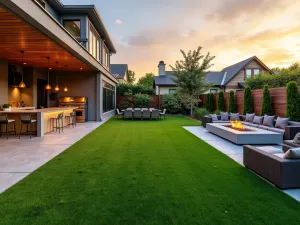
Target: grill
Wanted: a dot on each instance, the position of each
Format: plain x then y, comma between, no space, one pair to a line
80,102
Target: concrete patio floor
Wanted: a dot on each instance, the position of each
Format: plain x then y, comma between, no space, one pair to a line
19,158
233,151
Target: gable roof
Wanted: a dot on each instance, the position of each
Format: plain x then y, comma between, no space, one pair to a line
215,78
119,71
166,80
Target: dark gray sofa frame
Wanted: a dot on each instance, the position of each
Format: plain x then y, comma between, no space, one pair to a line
284,173
289,133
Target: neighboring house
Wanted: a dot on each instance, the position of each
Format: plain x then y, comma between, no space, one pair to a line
119,71
78,46
230,78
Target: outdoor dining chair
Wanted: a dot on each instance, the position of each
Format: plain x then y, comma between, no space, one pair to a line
137,114
128,114
155,114
146,114
119,113
163,114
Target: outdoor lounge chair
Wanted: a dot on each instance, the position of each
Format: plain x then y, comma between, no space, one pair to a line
137,114
119,113
146,114
163,114
128,114
155,114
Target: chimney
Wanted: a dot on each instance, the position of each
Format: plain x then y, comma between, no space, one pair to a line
161,68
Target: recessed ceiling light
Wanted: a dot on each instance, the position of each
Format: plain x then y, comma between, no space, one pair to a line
24,63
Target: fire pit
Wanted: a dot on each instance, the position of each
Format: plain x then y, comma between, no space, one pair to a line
237,125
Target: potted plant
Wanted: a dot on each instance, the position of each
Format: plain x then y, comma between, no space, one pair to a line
6,107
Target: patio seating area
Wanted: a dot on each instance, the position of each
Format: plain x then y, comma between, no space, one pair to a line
141,113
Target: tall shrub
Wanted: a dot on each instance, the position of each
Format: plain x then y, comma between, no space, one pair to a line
142,100
221,102
292,101
232,105
266,108
248,101
207,102
171,103
211,103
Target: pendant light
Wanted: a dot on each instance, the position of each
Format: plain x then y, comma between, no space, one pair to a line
22,84
48,87
66,88
56,87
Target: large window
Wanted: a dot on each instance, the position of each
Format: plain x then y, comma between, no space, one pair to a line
105,56
213,90
94,44
172,91
73,26
108,97
256,72
248,73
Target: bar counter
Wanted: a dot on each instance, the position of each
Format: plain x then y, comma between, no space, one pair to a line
42,116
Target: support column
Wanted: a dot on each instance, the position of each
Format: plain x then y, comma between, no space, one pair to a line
99,101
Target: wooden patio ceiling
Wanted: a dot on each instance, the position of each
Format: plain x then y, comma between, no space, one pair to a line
16,35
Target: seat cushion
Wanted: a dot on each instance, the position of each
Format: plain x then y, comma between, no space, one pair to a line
224,116
293,153
282,122
234,116
220,121
291,143
252,125
258,120
277,130
280,155
250,117
270,149
269,121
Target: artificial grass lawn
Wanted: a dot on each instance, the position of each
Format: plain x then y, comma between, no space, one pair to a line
145,172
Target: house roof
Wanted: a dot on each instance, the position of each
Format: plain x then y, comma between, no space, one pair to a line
166,80
215,78
119,71
93,15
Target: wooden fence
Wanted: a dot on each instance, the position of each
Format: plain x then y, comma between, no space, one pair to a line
278,100
155,103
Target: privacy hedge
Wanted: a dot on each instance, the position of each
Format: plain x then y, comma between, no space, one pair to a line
210,103
232,105
221,102
248,101
267,108
292,101
274,81
134,89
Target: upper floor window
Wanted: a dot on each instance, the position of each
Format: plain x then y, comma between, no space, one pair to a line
172,91
73,26
94,44
256,72
42,3
248,73
213,90
105,56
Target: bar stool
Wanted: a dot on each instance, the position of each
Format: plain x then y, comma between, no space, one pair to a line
71,119
5,121
28,121
59,123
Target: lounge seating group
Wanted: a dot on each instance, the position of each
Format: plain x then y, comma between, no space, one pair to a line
141,113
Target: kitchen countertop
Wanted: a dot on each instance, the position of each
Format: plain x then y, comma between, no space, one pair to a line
45,110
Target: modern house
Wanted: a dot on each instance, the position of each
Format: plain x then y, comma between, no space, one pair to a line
119,71
49,50
230,78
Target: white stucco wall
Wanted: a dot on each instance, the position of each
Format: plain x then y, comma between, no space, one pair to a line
163,90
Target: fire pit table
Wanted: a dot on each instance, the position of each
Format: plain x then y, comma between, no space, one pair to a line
246,135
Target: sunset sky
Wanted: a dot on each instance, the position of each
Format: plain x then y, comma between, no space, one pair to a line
147,31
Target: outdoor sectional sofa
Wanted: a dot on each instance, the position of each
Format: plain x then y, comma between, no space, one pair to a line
284,173
289,132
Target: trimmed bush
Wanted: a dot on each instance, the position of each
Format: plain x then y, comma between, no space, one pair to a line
266,108
142,100
232,105
210,102
248,101
128,101
200,113
292,101
134,89
207,102
171,103
221,102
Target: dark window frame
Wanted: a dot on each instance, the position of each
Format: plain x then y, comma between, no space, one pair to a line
42,3
73,20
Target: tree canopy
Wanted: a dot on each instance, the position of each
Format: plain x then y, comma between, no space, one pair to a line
147,80
130,77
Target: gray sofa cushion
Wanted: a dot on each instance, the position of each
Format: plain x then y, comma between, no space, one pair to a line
282,122
224,116
277,130
250,117
293,153
258,120
220,121
234,116
269,121
214,117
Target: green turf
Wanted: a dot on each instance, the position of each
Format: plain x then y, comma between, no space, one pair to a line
145,172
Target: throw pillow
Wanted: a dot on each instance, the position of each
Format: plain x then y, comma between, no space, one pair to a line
250,117
234,116
297,139
214,117
224,116
258,120
293,153
269,121
282,122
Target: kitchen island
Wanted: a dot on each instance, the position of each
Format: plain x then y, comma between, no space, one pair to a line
42,116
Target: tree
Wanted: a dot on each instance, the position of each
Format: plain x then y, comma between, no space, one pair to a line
221,102
130,77
190,73
147,80
292,101
211,103
232,105
207,103
248,101
266,108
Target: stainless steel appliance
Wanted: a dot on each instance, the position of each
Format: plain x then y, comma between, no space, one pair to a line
80,102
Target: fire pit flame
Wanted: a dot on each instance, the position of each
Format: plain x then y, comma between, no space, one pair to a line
237,125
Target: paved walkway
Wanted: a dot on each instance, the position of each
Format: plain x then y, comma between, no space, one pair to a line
19,158
233,151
